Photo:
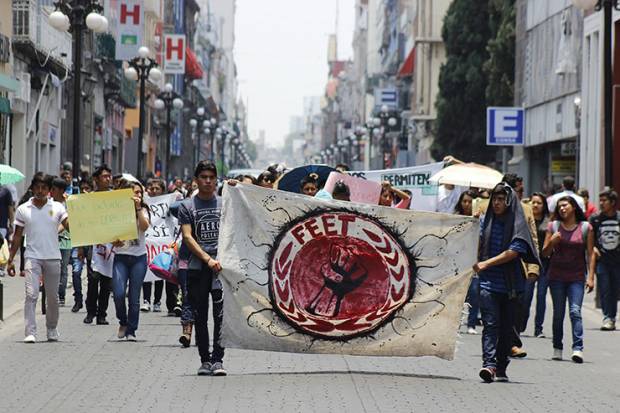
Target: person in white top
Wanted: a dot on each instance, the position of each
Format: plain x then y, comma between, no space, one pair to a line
568,186
130,269
40,219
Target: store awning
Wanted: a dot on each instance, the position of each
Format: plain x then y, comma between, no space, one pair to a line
8,83
193,69
408,65
5,105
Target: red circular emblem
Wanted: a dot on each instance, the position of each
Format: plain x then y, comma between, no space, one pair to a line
338,275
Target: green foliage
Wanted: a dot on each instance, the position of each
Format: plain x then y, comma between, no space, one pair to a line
479,72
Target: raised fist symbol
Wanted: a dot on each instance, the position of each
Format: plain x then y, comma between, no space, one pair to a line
343,273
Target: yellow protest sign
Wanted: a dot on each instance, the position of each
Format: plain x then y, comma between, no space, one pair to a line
101,217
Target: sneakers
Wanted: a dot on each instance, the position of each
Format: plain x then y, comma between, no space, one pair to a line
500,376
517,352
61,302
76,307
146,307
52,334
557,354
177,311
608,325
577,356
122,332
89,319
487,374
204,369
217,369
157,308
131,337
540,334
471,330
30,339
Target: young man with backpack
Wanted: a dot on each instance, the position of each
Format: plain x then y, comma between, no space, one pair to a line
606,226
199,217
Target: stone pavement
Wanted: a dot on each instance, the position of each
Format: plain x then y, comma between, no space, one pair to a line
90,371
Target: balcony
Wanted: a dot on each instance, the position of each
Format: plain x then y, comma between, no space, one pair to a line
34,36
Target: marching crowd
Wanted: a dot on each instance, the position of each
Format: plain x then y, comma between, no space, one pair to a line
528,246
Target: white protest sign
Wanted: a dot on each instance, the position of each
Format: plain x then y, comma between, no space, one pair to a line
163,229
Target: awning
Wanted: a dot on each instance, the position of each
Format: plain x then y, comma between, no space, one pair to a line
193,69
5,105
408,65
9,84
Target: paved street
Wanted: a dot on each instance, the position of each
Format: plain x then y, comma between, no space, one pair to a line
90,371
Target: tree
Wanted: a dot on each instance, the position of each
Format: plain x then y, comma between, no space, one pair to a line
500,68
461,103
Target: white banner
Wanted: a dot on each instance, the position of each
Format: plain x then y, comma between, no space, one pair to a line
413,178
311,276
163,229
130,34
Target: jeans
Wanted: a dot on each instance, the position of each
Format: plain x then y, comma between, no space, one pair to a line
49,271
146,291
187,315
541,285
498,317
76,269
473,299
560,292
128,270
199,286
64,262
608,277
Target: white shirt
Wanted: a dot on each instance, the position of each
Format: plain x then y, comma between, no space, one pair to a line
103,259
41,228
135,247
552,201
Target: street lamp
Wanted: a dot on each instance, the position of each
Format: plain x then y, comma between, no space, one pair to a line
142,68
201,123
607,6
169,100
77,16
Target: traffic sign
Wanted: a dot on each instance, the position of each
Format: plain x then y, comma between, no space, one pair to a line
505,126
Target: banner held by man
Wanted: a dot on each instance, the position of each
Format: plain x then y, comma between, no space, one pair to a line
313,276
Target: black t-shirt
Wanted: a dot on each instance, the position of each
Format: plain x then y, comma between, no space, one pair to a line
204,217
6,200
607,236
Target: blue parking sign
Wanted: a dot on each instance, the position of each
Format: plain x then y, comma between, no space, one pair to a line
505,126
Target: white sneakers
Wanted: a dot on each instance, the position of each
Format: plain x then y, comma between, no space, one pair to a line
557,354
146,307
577,356
608,325
471,330
30,339
52,334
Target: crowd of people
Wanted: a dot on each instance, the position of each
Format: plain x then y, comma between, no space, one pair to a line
528,246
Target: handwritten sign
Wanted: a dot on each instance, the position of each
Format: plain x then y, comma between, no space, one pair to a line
367,192
163,230
102,217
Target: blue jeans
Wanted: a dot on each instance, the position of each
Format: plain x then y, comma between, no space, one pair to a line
473,299
608,277
64,262
573,292
128,269
498,317
187,315
541,285
76,265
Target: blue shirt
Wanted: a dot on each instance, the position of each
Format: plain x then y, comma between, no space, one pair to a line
493,278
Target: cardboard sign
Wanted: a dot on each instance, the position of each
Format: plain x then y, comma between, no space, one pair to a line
102,217
366,192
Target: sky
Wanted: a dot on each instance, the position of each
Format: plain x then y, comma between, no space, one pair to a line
281,56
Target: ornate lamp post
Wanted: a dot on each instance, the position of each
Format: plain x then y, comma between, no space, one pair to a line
142,68
200,118
77,16
607,6
168,99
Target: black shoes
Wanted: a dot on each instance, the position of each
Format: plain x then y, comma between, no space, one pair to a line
76,307
89,319
101,321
